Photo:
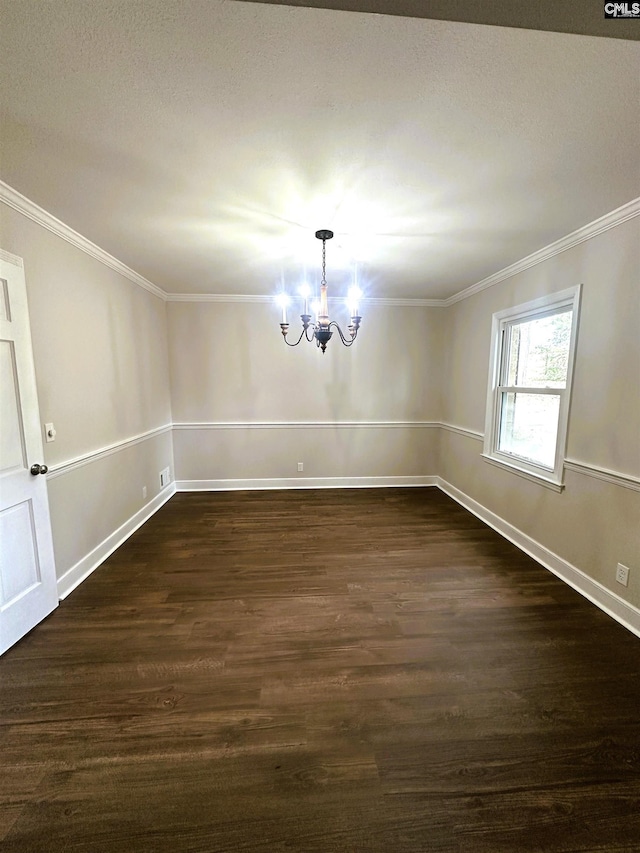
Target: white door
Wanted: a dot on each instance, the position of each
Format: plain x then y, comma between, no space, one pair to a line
28,589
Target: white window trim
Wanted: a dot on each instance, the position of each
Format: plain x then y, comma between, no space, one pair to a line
549,477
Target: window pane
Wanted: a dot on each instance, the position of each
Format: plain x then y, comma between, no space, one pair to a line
538,354
529,426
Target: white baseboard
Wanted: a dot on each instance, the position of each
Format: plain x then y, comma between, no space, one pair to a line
88,564
608,601
303,483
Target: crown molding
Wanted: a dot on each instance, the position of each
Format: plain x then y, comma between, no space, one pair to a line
12,198
604,223
388,302
218,297
399,302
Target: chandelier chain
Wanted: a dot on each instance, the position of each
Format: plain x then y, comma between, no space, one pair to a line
324,262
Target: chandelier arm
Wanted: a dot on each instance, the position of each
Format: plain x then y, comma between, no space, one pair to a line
346,341
289,344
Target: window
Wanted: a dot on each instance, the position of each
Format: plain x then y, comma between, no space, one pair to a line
529,386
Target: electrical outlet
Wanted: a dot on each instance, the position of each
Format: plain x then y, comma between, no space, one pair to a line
144,492
165,477
622,575
300,466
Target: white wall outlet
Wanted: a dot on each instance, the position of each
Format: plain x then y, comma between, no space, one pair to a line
622,575
300,466
165,477
144,492
49,432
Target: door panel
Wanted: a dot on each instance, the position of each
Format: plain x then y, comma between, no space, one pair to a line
12,449
20,571
28,590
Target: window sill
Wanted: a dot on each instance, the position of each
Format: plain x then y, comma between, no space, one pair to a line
540,479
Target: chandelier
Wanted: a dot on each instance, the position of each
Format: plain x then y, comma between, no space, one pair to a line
321,329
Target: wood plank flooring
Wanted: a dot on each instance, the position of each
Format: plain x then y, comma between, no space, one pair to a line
321,671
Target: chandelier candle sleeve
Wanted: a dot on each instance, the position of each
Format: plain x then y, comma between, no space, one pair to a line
321,329
323,317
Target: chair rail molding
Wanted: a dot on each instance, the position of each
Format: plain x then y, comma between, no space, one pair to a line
61,468
212,425
617,478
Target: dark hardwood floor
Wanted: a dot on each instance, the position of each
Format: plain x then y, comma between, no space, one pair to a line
349,670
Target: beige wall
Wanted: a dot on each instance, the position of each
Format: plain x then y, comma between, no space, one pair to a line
229,364
350,455
100,353
91,502
592,524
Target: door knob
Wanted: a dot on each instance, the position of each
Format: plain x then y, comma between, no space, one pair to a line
38,469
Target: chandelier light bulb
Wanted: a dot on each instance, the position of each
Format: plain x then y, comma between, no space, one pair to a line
305,291
282,300
353,299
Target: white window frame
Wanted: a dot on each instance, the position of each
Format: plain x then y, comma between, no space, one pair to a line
501,324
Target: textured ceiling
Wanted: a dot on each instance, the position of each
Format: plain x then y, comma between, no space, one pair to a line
203,142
